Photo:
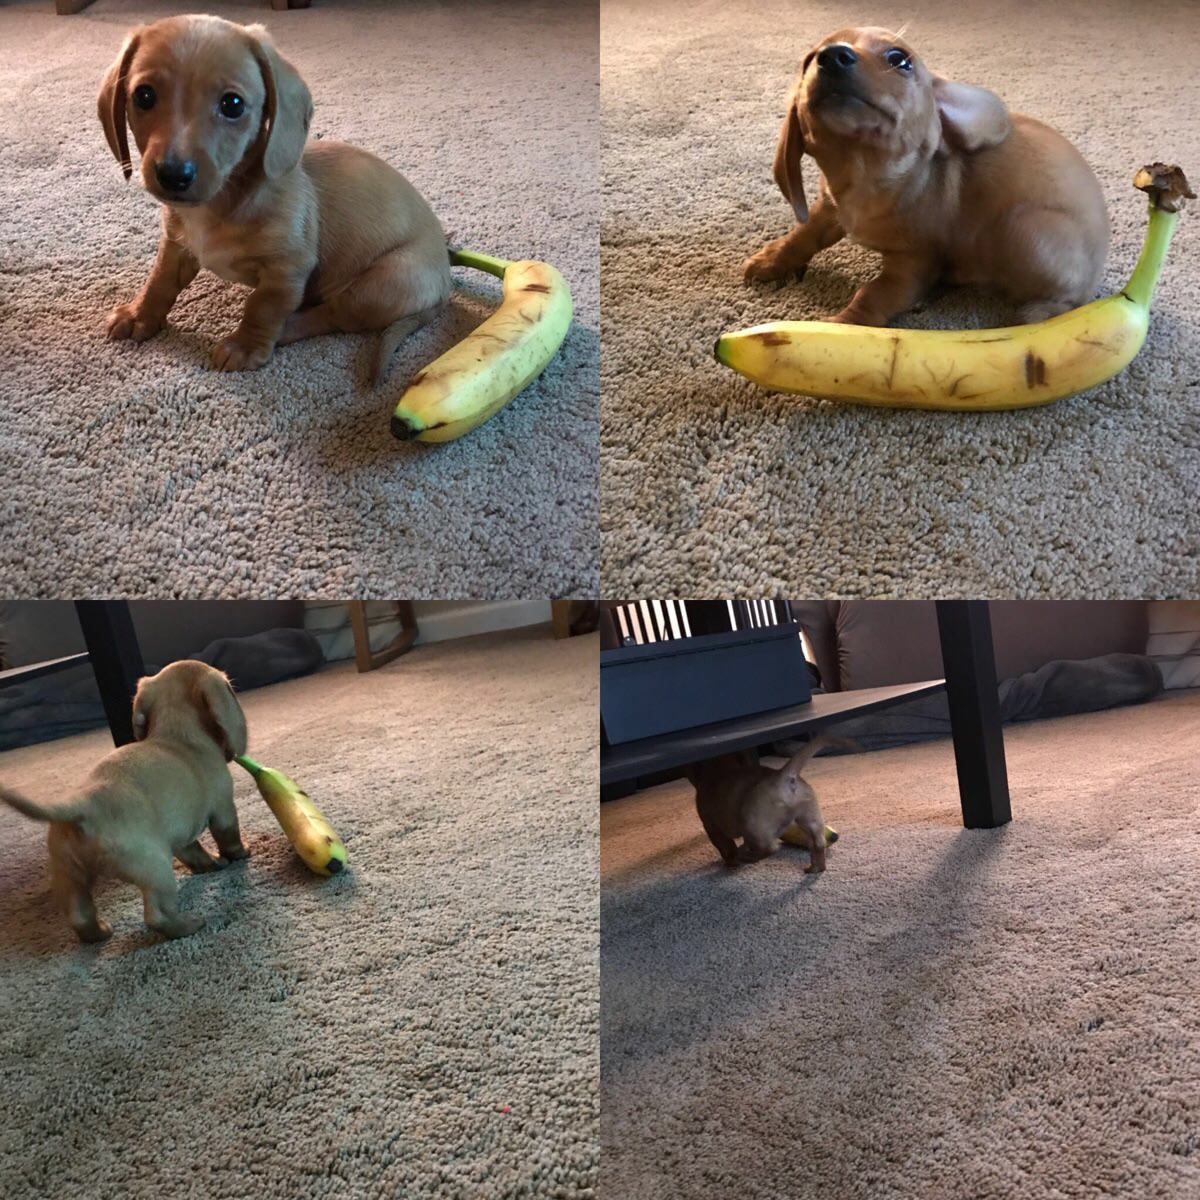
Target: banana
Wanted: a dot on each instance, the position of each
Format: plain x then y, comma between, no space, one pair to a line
477,377
976,369
796,835
313,837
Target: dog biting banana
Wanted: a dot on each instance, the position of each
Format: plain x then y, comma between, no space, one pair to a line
976,369
478,376
318,846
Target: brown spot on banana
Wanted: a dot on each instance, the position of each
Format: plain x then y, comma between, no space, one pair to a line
536,287
771,338
895,355
1035,370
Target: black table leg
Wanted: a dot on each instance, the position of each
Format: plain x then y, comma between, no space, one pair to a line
116,659
965,627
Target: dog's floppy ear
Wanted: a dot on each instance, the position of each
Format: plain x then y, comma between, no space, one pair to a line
143,704
220,713
788,152
110,104
288,111
971,117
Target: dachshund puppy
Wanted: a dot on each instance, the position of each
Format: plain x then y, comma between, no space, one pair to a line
149,801
939,177
738,798
330,238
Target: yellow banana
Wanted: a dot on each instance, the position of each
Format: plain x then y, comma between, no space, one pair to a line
797,835
975,369
477,377
313,837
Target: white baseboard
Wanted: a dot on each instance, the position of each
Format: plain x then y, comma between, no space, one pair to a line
440,620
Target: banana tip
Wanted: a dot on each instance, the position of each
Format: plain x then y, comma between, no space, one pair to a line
719,350
334,866
403,429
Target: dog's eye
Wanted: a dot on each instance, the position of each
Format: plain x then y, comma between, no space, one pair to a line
232,106
895,57
144,97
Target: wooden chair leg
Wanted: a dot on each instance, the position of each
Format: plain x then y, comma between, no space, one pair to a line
364,658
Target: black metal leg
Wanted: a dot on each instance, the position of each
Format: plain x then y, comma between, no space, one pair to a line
965,627
116,659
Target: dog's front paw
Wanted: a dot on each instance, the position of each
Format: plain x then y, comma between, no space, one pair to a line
232,354
235,853
129,322
769,266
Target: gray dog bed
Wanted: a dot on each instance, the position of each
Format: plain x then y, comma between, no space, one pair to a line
1056,690
55,706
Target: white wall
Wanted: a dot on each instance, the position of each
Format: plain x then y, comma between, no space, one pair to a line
438,620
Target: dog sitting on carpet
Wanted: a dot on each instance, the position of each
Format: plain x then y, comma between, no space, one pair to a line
739,798
331,238
148,802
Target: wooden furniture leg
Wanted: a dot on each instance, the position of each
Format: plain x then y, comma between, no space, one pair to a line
560,616
116,659
364,658
965,628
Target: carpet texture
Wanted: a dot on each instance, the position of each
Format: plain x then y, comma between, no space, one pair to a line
137,471
711,485
423,1026
945,1013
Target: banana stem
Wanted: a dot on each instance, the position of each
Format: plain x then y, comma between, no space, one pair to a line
481,262
1141,285
244,760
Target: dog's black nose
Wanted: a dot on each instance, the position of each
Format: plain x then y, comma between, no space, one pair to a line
836,58
175,176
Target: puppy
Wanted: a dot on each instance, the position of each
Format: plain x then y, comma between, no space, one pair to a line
737,797
939,177
330,238
149,801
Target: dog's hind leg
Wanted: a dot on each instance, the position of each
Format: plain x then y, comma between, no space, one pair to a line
397,294
71,882
160,896
75,897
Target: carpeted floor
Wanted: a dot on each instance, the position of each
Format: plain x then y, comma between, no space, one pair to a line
422,1026
945,1013
135,470
711,485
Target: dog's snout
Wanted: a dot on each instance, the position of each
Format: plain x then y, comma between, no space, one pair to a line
175,176
837,58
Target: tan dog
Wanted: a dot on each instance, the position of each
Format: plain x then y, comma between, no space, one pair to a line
149,801
738,798
330,238
939,178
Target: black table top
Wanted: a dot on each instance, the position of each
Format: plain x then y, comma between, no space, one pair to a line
668,750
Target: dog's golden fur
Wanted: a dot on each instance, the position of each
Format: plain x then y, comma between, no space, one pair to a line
148,802
739,799
937,176
330,238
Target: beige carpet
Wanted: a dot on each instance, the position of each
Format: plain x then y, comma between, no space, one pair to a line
136,471
423,1026
711,485
944,1014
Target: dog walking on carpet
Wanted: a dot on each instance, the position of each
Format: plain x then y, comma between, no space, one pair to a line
147,803
739,799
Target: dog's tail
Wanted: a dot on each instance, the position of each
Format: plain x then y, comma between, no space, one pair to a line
393,335
68,810
796,764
